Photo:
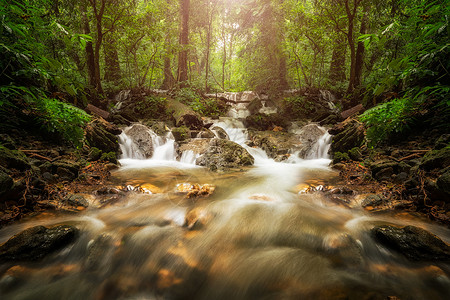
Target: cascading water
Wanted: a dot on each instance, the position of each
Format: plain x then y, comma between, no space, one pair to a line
257,236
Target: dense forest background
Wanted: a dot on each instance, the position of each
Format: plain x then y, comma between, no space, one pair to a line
58,56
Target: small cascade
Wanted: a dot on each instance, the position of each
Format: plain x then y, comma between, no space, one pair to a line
128,148
321,147
189,157
164,148
235,129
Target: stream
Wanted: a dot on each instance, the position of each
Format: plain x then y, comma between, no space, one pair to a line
257,236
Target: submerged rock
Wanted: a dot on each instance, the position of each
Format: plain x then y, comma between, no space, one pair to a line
413,242
37,242
75,200
225,154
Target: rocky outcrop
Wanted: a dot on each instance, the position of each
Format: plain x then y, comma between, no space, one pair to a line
443,183
436,159
13,159
220,132
347,135
413,242
224,154
142,138
37,242
275,143
102,135
385,169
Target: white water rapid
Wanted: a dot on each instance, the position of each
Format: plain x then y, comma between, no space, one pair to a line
164,228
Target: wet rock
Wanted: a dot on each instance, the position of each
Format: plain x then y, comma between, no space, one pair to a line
205,133
436,159
342,190
142,137
108,190
6,183
414,243
308,136
75,200
99,251
13,159
102,135
347,135
275,143
443,183
198,146
197,218
195,190
49,177
373,201
220,132
37,242
254,106
224,154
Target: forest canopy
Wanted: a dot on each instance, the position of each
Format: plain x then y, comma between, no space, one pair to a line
56,53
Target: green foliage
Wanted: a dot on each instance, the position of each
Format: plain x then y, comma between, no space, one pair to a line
152,107
298,106
62,118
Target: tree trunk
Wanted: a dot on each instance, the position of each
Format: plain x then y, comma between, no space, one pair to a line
337,67
208,46
359,60
112,66
184,41
90,62
169,80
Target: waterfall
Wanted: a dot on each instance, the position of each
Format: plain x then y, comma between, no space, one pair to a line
321,147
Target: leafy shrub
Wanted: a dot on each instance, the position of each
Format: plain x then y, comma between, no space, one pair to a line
63,119
398,115
152,107
298,106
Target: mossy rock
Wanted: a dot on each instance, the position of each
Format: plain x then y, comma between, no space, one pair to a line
13,159
110,157
224,154
355,154
436,159
340,157
94,154
181,133
351,135
97,135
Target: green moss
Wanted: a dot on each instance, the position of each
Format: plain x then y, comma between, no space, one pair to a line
355,154
94,154
110,157
339,157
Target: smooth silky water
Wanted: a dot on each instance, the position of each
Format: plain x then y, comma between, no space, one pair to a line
255,237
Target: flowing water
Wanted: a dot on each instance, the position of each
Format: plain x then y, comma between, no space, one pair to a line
257,236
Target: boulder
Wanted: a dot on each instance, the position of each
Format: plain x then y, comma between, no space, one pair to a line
205,133
142,137
224,154
94,154
309,135
37,242
386,168
413,242
274,143
435,159
102,135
